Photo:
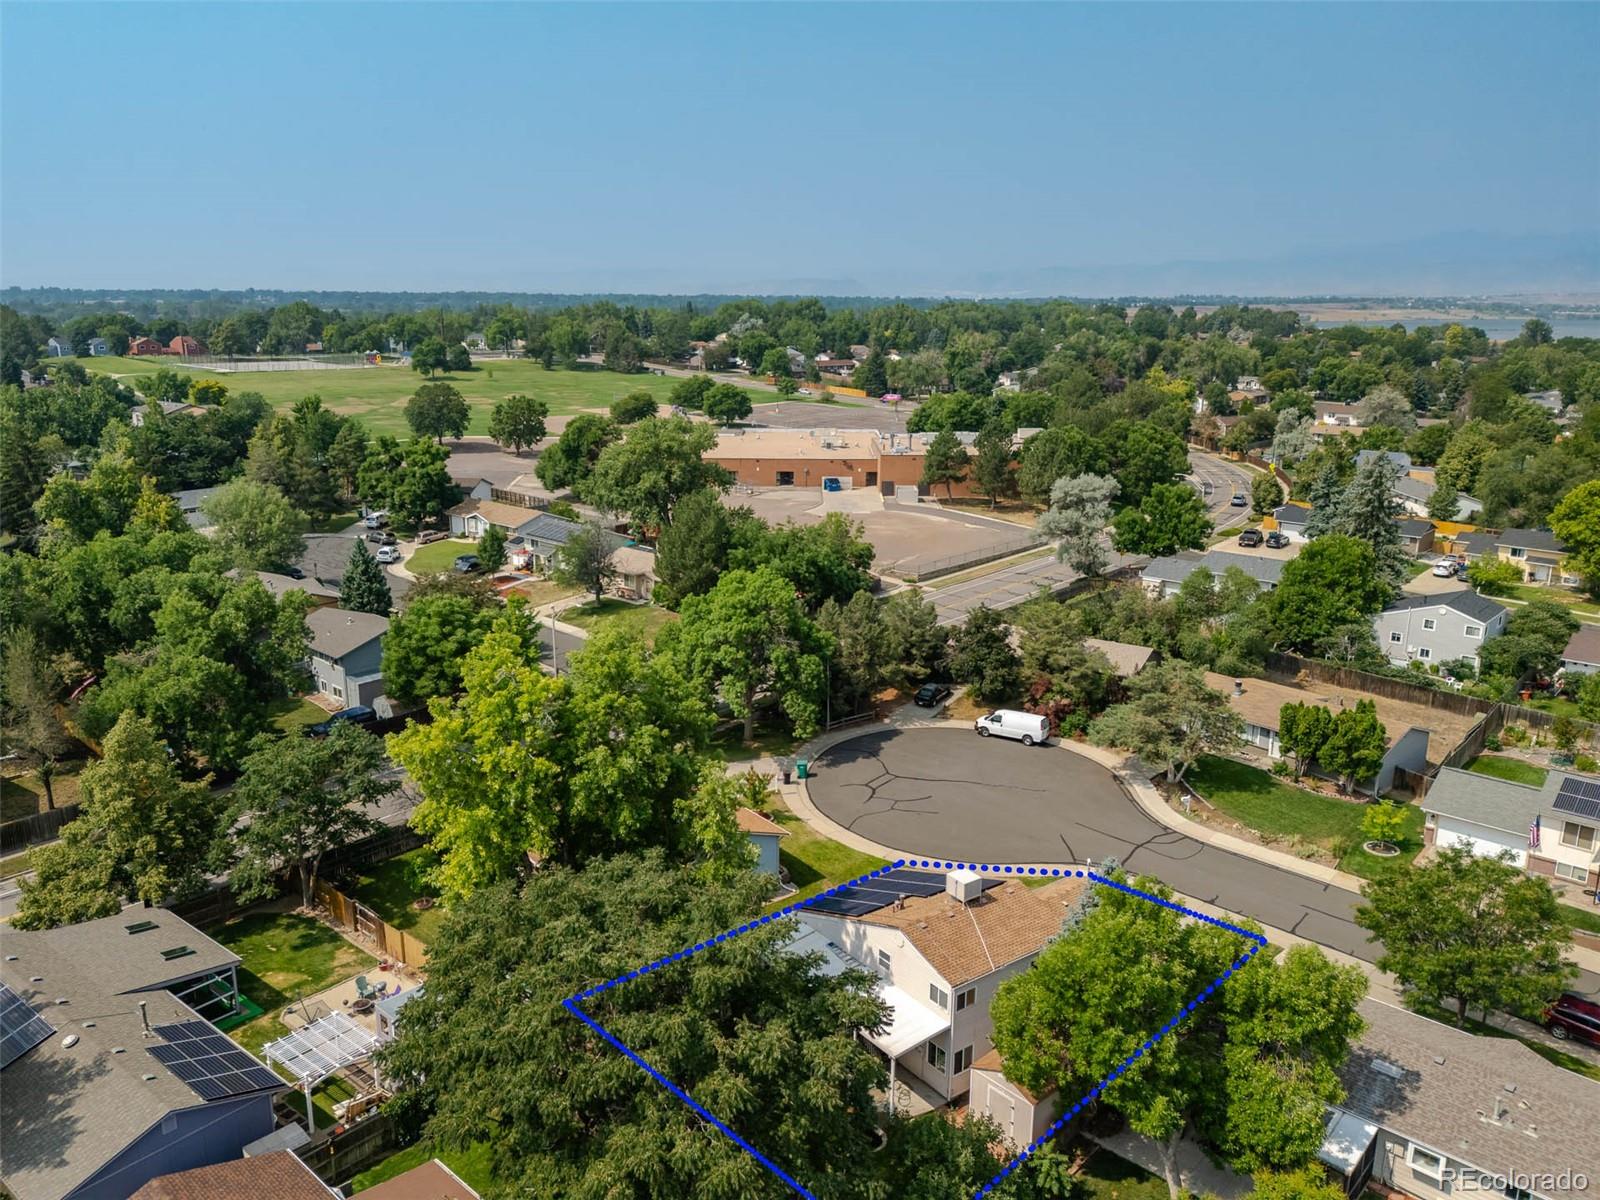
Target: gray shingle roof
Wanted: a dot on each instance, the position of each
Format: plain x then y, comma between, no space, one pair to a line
1490,1103
1292,514
1584,646
335,632
1414,527
1531,539
1176,568
1484,800
1466,602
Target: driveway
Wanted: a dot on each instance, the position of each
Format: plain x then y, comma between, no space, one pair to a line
949,793
327,554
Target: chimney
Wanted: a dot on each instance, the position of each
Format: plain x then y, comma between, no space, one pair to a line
144,1017
1238,687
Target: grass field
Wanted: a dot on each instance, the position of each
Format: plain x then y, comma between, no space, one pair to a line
470,1165
1582,606
1511,769
439,556
286,956
640,620
293,715
390,887
378,395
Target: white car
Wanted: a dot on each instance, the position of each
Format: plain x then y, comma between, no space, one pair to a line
1445,568
388,554
1025,727
376,520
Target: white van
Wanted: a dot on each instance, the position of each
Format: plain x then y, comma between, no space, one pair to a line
1024,727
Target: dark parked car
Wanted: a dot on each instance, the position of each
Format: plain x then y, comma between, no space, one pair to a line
1573,1017
360,714
1250,537
294,572
467,563
930,694
1277,539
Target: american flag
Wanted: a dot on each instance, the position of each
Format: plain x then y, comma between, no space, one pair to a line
1533,833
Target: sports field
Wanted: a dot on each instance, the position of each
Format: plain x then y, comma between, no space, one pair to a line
378,395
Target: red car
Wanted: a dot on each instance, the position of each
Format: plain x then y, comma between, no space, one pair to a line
1574,1017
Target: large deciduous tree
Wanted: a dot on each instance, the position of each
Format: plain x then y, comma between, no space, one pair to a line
428,641
437,411
1170,719
1576,521
584,559
568,463
298,798
1171,517
693,549
981,656
410,479
30,699
1080,510
257,529
725,403
1470,931
656,465
518,422
1332,583
945,461
1061,452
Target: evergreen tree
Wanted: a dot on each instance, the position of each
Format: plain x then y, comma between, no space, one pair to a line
945,462
364,587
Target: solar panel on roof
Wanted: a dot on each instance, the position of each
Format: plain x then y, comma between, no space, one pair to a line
1580,797
21,1028
215,1067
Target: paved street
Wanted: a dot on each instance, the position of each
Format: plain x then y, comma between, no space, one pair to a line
1225,477
948,792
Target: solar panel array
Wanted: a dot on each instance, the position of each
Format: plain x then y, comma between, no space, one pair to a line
21,1029
215,1067
859,899
1579,796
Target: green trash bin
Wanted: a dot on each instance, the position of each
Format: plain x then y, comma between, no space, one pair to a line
802,768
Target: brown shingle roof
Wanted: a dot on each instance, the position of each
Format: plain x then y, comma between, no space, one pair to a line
750,821
496,512
967,942
993,1062
431,1180
280,1175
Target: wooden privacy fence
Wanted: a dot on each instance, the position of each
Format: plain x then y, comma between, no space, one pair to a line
41,827
1379,685
396,945
339,1154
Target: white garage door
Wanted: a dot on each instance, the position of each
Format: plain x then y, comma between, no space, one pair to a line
1483,845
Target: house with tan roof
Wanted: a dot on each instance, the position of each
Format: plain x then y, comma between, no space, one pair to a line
940,944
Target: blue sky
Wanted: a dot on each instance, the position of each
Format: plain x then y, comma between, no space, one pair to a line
877,148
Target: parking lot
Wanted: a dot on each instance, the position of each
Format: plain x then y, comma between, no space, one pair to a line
800,414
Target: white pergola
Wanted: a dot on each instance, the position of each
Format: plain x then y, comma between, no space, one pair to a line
314,1052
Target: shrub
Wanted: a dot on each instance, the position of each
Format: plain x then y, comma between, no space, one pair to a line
1586,763
1281,767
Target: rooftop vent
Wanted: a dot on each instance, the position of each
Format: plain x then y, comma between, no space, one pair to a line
1384,1067
964,885
176,952
142,927
1238,687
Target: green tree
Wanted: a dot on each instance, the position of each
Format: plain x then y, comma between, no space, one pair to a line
1475,932
646,474
1531,642
1367,511
856,666
1383,822
1576,521
1589,697
427,642
635,406
518,422
992,475
257,529
571,1117
690,394
1080,510
1305,1183
584,559
141,832
1494,576
438,411
749,637
915,644
410,479
30,696
568,463
1443,502
1333,582
1170,719
1170,518
1058,453
871,374
457,358
981,656
297,799
693,549
1147,456
364,587
1303,730
724,403
613,762
828,560
945,461
429,355
1355,745
492,548
1265,495
1387,405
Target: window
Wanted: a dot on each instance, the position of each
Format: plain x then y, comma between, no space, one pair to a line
966,999
1424,653
1580,836
1426,1163
1518,552
1395,637
938,995
336,692
936,1056
1576,874
883,961
1473,631
963,1059
1429,623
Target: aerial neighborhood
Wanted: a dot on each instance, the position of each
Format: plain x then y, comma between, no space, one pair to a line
903,710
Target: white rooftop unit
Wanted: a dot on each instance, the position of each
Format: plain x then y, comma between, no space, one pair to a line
966,886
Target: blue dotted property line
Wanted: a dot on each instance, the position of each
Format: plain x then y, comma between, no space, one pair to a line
1257,943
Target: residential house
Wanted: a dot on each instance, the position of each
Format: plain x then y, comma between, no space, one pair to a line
1414,495
1126,659
636,571
431,1180
191,502
1551,830
1432,1111
99,347
940,950
475,341
860,353
280,1175
1551,401
1291,520
1259,704
1399,458
1022,1116
1251,385
347,654
764,834
1330,417
169,408
281,585
1582,655
185,345
841,367
1540,556
474,515
59,346
1164,576
141,346
1416,535
106,1029
1438,629
1475,545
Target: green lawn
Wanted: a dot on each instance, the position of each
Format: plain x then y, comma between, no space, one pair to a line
471,1165
1586,918
815,862
22,795
539,592
390,887
439,556
1512,769
1261,802
1580,605
333,522
1556,706
1107,1177
378,395
15,864
294,714
769,741
287,956
641,620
